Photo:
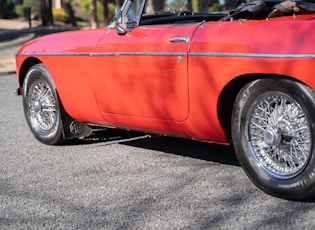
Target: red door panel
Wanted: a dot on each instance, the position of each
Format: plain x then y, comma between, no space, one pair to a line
144,73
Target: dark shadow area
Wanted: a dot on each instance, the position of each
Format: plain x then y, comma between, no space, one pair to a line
178,146
9,35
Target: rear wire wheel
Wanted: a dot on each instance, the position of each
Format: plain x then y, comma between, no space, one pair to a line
41,106
273,132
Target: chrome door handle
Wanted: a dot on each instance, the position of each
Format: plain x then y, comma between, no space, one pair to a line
180,39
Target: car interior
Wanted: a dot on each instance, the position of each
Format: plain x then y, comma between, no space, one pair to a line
253,9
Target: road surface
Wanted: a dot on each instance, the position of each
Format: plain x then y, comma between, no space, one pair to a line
125,180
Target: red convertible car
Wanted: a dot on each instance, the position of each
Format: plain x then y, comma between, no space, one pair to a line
245,77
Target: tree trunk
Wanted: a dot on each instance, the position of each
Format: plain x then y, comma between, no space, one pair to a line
1,9
155,6
93,14
69,10
190,5
46,12
105,12
119,3
194,4
203,6
158,5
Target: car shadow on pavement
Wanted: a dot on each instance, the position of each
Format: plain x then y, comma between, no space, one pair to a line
223,154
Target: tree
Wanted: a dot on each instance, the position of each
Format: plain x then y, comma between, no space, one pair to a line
93,14
6,8
105,11
46,12
155,6
190,5
119,3
69,10
203,6
1,9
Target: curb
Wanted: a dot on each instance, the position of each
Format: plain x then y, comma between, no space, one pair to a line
13,43
17,42
5,73
25,36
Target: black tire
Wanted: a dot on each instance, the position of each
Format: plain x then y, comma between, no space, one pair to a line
273,135
41,106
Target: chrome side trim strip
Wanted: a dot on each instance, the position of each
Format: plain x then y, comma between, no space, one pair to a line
192,54
53,54
252,55
139,54
105,54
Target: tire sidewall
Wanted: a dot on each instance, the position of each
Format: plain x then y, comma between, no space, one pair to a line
302,185
53,135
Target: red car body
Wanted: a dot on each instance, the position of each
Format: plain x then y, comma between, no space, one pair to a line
143,82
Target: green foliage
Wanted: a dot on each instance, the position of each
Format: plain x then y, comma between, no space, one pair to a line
33,4
111,9
100,12
19,9
85,10
215,7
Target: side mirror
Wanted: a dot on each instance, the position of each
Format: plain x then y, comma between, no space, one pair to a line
118,21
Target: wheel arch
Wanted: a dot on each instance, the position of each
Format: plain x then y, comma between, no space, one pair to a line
70,127
229,93
27,64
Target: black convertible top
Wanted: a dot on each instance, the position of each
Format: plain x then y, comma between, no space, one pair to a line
244,9
260,9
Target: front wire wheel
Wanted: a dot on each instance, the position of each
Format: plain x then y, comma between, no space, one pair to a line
41,106
279,134
273,132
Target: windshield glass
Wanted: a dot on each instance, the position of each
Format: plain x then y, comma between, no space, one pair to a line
149,12
192,6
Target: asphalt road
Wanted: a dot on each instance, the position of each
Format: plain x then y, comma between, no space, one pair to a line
124,180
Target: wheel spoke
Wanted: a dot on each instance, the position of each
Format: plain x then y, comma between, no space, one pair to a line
42,105
279,134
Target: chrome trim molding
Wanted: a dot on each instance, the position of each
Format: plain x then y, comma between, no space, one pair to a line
139,54
105,54
253,55
53,54
192,54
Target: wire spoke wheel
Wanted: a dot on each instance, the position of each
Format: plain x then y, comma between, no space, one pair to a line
273,129
279,134
41,106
